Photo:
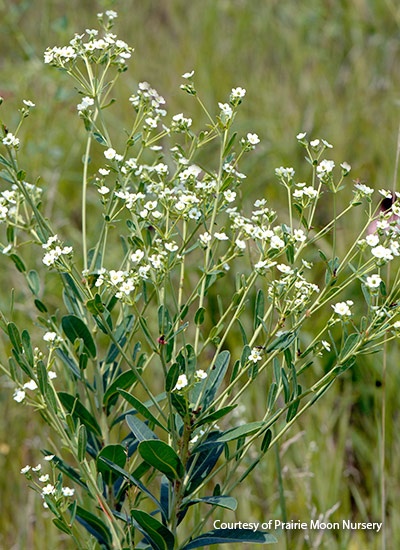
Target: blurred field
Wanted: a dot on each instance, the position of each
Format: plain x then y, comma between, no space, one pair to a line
326,67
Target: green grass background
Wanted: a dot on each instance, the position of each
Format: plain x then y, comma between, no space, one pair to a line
329,67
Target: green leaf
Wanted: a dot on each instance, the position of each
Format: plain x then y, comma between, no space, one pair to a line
15,337
75,407
98,137
221,536
162,457
19,264
62,526
199,317
40,306
211,384
75,328
285,384
82,442
223,501
350,343
141,408
283,341
266,441
115,454
42,377
124,380
240,431
215,415
259,308
26,344
33,281
94,526
180,404
172,377
139,429
160,537
229,145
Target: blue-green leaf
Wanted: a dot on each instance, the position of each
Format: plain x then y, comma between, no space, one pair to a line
139,429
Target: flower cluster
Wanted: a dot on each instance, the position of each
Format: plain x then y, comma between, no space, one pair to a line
55,251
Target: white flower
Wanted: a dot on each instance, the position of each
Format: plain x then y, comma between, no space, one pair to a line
342,309
238,93
283,268
314,143
221,236
10,139
229,195
181,382
48,490
373,281
111,14
28,102
301,136
31,385
67,491
52,375
372,240
382,253
50,336
255,355
188,75
225,109
19,395
299,235
116,276
201,374
327,144
385,193
205,238
364,189
277,242
325,167
110,153
86,102
103,190
25,470
253,139
137,256
345,167
37,468
326,345
44,478
49,457
104,171
284,172
172,246
127,286
240,244
50,241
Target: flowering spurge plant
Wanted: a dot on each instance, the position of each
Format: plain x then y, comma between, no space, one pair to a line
176,307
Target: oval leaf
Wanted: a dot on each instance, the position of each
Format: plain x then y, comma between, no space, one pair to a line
162,457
